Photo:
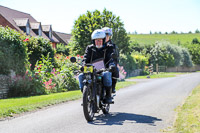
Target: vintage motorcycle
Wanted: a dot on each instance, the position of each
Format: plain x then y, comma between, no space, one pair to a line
94,93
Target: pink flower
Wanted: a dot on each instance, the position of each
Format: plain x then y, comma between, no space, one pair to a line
78,55
67,57
82,57
26,40
53,73
30,65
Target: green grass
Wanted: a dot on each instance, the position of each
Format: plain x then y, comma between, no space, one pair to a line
188,118
124,84
160,75
172,38
12,106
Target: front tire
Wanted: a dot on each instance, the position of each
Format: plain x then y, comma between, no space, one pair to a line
88,104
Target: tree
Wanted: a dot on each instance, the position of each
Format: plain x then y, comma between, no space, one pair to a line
195,41
150,32
173,32
87,23
165,53
197,31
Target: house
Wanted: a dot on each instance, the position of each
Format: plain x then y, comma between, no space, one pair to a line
62,37
24,22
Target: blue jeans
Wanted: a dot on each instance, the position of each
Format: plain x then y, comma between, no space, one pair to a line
107,79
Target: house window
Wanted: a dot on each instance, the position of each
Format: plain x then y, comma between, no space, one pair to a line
35,31
23,29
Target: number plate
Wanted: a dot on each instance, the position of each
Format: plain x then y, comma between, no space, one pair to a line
88,69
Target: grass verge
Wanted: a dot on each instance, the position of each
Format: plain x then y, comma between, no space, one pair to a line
12,106
159,75
124,84
188,115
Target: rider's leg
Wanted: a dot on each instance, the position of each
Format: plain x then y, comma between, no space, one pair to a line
80,77
115,75
107,81
114,81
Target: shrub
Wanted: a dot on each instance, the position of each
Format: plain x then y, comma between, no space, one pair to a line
27,85
13,54
38,46
194,50
187,59
170,55
62,49
141,60
56,79
128,63
195,41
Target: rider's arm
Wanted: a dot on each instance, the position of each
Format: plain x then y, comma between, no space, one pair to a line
87,55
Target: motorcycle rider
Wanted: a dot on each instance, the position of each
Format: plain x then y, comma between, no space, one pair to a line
115,74
99,50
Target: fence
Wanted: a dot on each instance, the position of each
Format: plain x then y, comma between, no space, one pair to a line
178,69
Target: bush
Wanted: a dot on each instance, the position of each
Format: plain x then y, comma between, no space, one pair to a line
13,54
128,63
187,59
58,79
170,55
194,50
38,46
27,85
195,41
141,60
62,49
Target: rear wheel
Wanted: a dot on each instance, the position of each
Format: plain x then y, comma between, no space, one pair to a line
88,104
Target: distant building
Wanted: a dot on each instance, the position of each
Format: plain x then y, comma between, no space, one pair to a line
62,37
21,21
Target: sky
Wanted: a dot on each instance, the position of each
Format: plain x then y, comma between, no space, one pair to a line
141,16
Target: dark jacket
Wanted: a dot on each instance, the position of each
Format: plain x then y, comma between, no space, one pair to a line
92,54
115,50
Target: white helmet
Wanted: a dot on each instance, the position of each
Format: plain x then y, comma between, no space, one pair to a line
107,30
98,34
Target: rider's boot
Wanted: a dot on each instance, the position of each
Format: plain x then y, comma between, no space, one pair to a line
108,95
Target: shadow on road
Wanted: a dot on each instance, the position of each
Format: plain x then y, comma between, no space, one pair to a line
121,118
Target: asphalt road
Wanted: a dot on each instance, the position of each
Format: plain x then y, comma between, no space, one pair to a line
146,107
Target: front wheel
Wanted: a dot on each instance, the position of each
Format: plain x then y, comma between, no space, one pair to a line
88,104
